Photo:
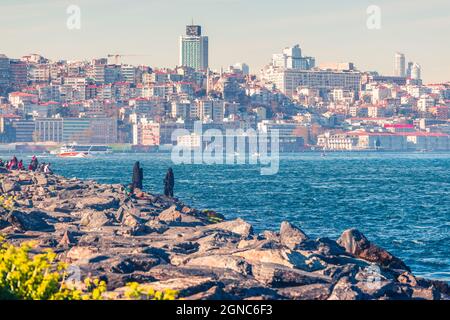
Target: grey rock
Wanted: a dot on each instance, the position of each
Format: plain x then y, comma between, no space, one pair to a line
238,226
291,236
222,261
98,203
32,221
345,290
317,291
95,219
279,276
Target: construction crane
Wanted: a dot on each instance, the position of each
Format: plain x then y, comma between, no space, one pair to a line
118,56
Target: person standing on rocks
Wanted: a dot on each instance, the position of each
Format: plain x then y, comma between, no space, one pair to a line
34,164
138,177
169,182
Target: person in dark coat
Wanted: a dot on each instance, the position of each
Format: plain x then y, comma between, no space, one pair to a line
169,182
138,177
34,164
13,163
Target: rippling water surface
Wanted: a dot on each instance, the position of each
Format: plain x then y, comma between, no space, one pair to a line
401,201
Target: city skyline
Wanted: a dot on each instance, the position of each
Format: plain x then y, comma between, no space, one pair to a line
253,43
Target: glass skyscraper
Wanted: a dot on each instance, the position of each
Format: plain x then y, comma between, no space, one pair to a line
194,49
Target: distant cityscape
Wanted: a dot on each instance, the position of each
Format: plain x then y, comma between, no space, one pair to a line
313,105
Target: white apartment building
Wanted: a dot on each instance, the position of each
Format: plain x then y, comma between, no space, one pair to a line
288,80
337,141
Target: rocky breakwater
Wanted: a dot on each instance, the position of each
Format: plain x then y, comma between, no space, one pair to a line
100,231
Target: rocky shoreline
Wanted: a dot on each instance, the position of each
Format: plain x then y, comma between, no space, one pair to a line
162,243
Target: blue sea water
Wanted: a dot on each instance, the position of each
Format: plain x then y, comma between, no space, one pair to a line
400,201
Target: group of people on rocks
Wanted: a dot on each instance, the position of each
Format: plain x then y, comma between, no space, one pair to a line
15,164
135,187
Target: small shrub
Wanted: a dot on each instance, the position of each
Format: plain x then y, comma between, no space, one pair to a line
7,202
39,277
135,291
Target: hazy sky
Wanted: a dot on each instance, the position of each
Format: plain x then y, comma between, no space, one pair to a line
239,31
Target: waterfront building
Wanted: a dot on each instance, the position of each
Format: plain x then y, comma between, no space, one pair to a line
23,130
76,130
49,130
194,49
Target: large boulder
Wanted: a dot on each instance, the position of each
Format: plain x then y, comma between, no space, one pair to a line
32,221
285,257
133,263
317,291
95,219
238,226
222,261
291,236
170,215
345,290
280,276
355,243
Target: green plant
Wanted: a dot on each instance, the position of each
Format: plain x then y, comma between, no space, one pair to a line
7,202
39,277
213,217
135,291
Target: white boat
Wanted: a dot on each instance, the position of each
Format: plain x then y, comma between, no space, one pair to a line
70,152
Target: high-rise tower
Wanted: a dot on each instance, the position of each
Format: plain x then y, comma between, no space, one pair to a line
194,49
399,65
